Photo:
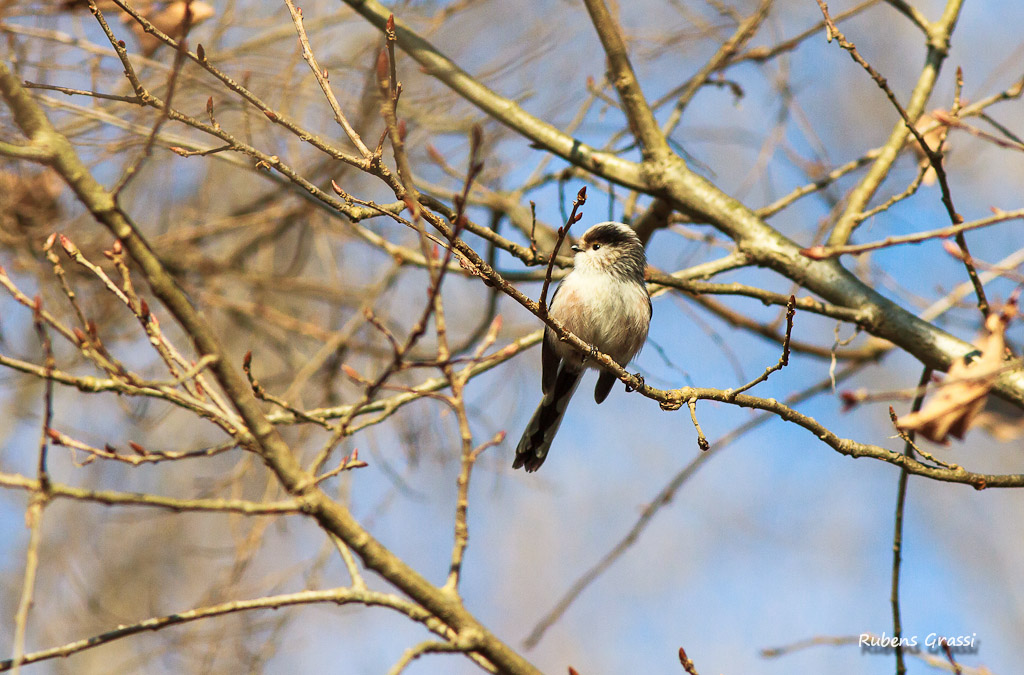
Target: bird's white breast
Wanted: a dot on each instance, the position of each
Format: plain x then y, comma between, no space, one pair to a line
604,310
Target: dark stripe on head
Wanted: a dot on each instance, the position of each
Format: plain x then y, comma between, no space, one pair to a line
630,261
610,234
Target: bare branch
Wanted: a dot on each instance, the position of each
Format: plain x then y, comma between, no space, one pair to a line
822,252
634,105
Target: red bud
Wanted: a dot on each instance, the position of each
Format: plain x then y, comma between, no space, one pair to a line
850,399
953,249
68,246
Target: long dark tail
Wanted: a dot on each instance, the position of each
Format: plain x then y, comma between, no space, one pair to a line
536,441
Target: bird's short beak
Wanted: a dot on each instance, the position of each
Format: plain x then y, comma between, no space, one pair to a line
575,248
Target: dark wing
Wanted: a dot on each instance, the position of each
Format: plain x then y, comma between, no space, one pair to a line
604,385
548,362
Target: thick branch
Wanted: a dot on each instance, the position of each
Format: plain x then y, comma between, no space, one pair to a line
504,110
638,112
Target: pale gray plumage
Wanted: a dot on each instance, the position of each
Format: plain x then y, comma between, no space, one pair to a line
604,302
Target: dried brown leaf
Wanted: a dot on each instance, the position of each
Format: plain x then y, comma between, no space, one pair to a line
953,410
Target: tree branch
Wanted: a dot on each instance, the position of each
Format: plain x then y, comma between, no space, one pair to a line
262,436
634,105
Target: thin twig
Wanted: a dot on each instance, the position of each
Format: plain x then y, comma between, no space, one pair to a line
574,217
897,538
469,457
934,155
911,190
742,35
702,441
912,13
37,503
112,498
938,49
469,454
264,395
764,54
819,184
82,92
957,668
323,80
42,473
822,252
428,647
783,360
33,519
951,121
338,596
972,274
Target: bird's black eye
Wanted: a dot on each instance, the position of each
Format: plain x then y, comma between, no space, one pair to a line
597,246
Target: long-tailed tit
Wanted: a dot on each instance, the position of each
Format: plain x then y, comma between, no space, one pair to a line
604,302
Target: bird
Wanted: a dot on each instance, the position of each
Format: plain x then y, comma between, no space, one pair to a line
604,302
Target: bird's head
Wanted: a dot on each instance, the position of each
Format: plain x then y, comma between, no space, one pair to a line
611,247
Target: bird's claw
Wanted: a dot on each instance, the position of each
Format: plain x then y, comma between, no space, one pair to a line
640,380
